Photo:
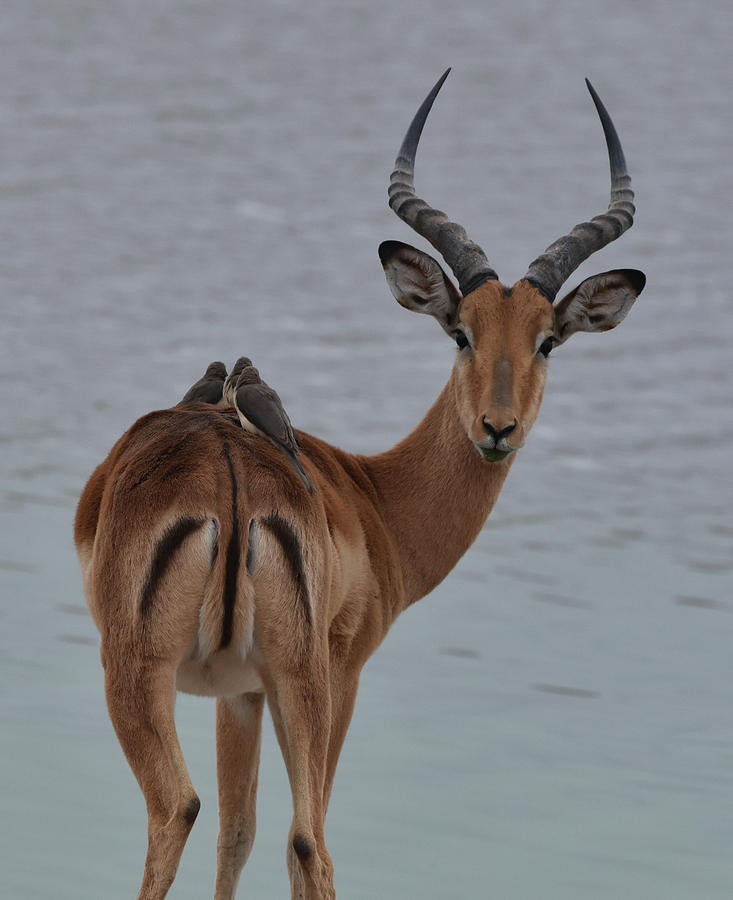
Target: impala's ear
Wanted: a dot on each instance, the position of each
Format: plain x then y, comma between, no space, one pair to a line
419,283
599,303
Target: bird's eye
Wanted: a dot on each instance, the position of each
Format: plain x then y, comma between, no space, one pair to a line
461,339
546,346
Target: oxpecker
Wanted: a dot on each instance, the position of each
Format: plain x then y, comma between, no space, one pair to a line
261,412
209,388
230,385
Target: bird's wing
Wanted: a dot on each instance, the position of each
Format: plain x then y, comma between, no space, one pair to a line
208,393
285,417
193,392
262,407
213,391
291,434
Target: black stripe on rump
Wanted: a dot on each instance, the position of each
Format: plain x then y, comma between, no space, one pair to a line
290,544
232,563
165,550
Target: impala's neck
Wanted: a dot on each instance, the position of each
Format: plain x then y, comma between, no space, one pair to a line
436,493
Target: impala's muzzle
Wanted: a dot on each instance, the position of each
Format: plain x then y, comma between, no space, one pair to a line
500,435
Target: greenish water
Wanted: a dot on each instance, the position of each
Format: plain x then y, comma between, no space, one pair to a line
549,732
186,183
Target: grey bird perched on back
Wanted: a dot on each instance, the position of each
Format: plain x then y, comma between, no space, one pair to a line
209,388
230,385
261,412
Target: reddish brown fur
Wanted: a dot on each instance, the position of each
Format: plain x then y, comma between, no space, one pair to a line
380,532
505,330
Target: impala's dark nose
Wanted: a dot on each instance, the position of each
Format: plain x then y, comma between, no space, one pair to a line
498,433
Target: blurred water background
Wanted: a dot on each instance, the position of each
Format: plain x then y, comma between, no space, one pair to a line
181,182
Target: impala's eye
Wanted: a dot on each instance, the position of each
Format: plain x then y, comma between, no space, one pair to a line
546,346
461,339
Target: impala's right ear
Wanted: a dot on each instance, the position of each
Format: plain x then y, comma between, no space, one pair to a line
599,303
419,283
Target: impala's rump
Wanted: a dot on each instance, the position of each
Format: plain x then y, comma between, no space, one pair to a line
164,537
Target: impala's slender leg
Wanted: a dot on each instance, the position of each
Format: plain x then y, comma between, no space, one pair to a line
344,685
291,581
238,730
301,712
297,885
141,709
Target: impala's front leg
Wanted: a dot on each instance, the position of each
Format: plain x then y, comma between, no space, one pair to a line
344,684
238,729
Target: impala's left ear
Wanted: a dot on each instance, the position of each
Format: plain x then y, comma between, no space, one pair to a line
418,282
599,303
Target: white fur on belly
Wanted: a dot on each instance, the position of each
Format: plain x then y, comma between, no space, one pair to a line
224,674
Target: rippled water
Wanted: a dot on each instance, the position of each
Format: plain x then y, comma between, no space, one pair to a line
183,182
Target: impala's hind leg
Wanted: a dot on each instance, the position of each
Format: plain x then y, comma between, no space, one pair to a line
291,644
300,705
238,728
141,709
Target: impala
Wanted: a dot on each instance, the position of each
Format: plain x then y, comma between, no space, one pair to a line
210,568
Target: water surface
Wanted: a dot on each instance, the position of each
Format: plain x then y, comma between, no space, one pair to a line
183,182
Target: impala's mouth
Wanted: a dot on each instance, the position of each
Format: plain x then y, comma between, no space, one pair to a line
496,445
491,454
494,454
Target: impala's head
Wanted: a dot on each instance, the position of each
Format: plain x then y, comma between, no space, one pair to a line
504,335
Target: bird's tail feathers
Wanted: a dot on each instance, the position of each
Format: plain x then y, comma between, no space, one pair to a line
301,471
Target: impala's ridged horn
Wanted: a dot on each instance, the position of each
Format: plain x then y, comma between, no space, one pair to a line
466,259
548,272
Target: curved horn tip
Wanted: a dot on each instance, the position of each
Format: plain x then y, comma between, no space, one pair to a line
616,155
408,149
437,86
594,94
442,78
600,106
